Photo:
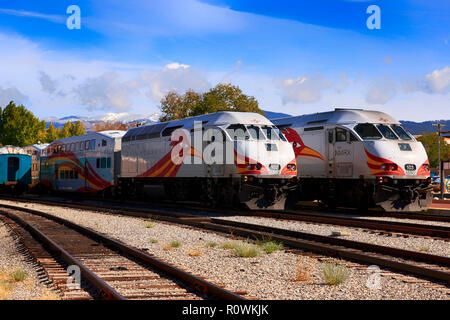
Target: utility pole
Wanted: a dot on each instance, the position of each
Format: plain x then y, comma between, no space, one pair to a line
439,125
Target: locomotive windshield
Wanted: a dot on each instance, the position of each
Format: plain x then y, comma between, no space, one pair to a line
367,131
256,132
387,132
401,132
238,132
272,133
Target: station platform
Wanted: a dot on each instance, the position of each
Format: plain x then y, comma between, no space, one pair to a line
440,206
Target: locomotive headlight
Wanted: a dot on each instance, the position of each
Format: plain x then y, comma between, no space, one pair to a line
244,178
389,167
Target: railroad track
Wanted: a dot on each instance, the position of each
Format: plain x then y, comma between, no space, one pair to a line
108,269
426,266
380,226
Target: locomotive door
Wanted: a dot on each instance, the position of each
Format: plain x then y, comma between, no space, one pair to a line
13,167
213,149
343,154
330,153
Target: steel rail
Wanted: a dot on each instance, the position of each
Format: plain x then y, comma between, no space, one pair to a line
190,280
389,226
107,292
326,245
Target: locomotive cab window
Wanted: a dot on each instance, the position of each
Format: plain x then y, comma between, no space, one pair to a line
368,131
256,132
238,132
272,133
401,132
387,132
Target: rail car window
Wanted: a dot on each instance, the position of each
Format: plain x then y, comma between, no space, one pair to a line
87,144
238,132
61,174
367,131
256,132
168,131
401,132
103,163
93,144
387,132
108,163
104,143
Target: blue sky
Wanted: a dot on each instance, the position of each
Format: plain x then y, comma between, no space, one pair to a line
294,56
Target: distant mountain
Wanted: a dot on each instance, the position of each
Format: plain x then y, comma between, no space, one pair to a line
88,122
420,127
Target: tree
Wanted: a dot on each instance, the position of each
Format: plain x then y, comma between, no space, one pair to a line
103,126
223,97
52,133
430,142
19,126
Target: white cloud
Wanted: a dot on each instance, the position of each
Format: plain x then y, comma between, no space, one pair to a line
48,84
106,92
11,94
173,77
30,14
435,82
438,81
381,91
304,89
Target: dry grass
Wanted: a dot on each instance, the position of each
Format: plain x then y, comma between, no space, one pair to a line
172,245
334,273
302,271
211,244
49,295
18,275
228,245
246,250
195,253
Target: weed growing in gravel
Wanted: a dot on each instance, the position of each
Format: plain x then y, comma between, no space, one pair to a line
211,244
195,253
149,224
246,250
302,271
18,275
334,274
228,245
271,246
154,241
175,244
424,249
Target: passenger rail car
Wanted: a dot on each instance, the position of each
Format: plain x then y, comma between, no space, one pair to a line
226,157
15,169
86,163
358,158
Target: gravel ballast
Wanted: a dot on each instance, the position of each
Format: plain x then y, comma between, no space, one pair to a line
13,259
267,276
